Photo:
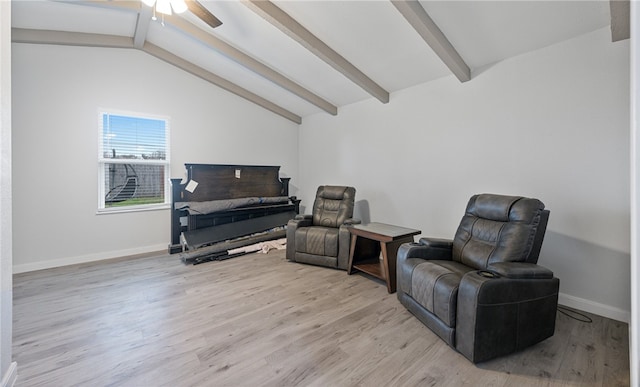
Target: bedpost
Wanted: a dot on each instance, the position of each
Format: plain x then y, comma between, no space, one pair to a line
285,192
285,186
176,229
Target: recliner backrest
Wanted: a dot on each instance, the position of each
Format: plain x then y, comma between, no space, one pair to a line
499,228
333,205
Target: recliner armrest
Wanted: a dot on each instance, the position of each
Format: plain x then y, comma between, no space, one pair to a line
520,270
351,221
299,221
426,248
436,242
412,254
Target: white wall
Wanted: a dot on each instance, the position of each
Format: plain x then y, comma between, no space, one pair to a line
57,93
551,124
8,369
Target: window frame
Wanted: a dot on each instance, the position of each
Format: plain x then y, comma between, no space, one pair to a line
103,162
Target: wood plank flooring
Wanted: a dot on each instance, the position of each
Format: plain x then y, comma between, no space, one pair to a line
258,320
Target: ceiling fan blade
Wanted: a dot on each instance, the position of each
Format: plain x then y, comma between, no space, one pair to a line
200,11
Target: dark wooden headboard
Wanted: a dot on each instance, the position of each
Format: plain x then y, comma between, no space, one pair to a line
219,181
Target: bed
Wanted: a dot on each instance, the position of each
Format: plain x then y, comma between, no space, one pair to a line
222,206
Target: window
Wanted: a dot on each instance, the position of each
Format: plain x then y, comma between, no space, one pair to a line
133,159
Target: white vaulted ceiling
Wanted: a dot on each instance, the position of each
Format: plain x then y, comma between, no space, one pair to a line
268,66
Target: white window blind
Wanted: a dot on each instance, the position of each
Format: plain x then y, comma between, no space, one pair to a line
133,158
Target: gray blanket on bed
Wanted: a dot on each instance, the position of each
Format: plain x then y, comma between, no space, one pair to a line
208,207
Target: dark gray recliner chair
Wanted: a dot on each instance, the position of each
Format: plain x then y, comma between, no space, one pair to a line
323,238
483,292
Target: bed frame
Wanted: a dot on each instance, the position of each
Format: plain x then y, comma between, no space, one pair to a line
221,182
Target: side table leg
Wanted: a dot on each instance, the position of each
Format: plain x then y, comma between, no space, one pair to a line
352,250
391,283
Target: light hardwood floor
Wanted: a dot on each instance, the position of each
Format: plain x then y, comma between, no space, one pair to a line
258,320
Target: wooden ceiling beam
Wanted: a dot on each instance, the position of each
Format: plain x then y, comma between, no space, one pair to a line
64,38
620,11
415,14
124,5
280,19
249,62
142,26
210,77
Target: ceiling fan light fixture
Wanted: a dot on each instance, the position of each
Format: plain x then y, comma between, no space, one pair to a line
179,6
164,6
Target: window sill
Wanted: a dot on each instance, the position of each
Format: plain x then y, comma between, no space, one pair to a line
119,210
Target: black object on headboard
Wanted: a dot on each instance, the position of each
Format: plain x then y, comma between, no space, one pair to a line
229,183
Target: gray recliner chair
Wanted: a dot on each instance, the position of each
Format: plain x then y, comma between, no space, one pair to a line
323,238
483,292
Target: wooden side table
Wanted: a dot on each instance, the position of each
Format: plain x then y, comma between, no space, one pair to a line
368,241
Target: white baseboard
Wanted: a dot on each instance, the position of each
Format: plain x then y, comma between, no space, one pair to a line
594,307
26,267
9,378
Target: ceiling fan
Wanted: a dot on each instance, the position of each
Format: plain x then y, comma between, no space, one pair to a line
180,6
